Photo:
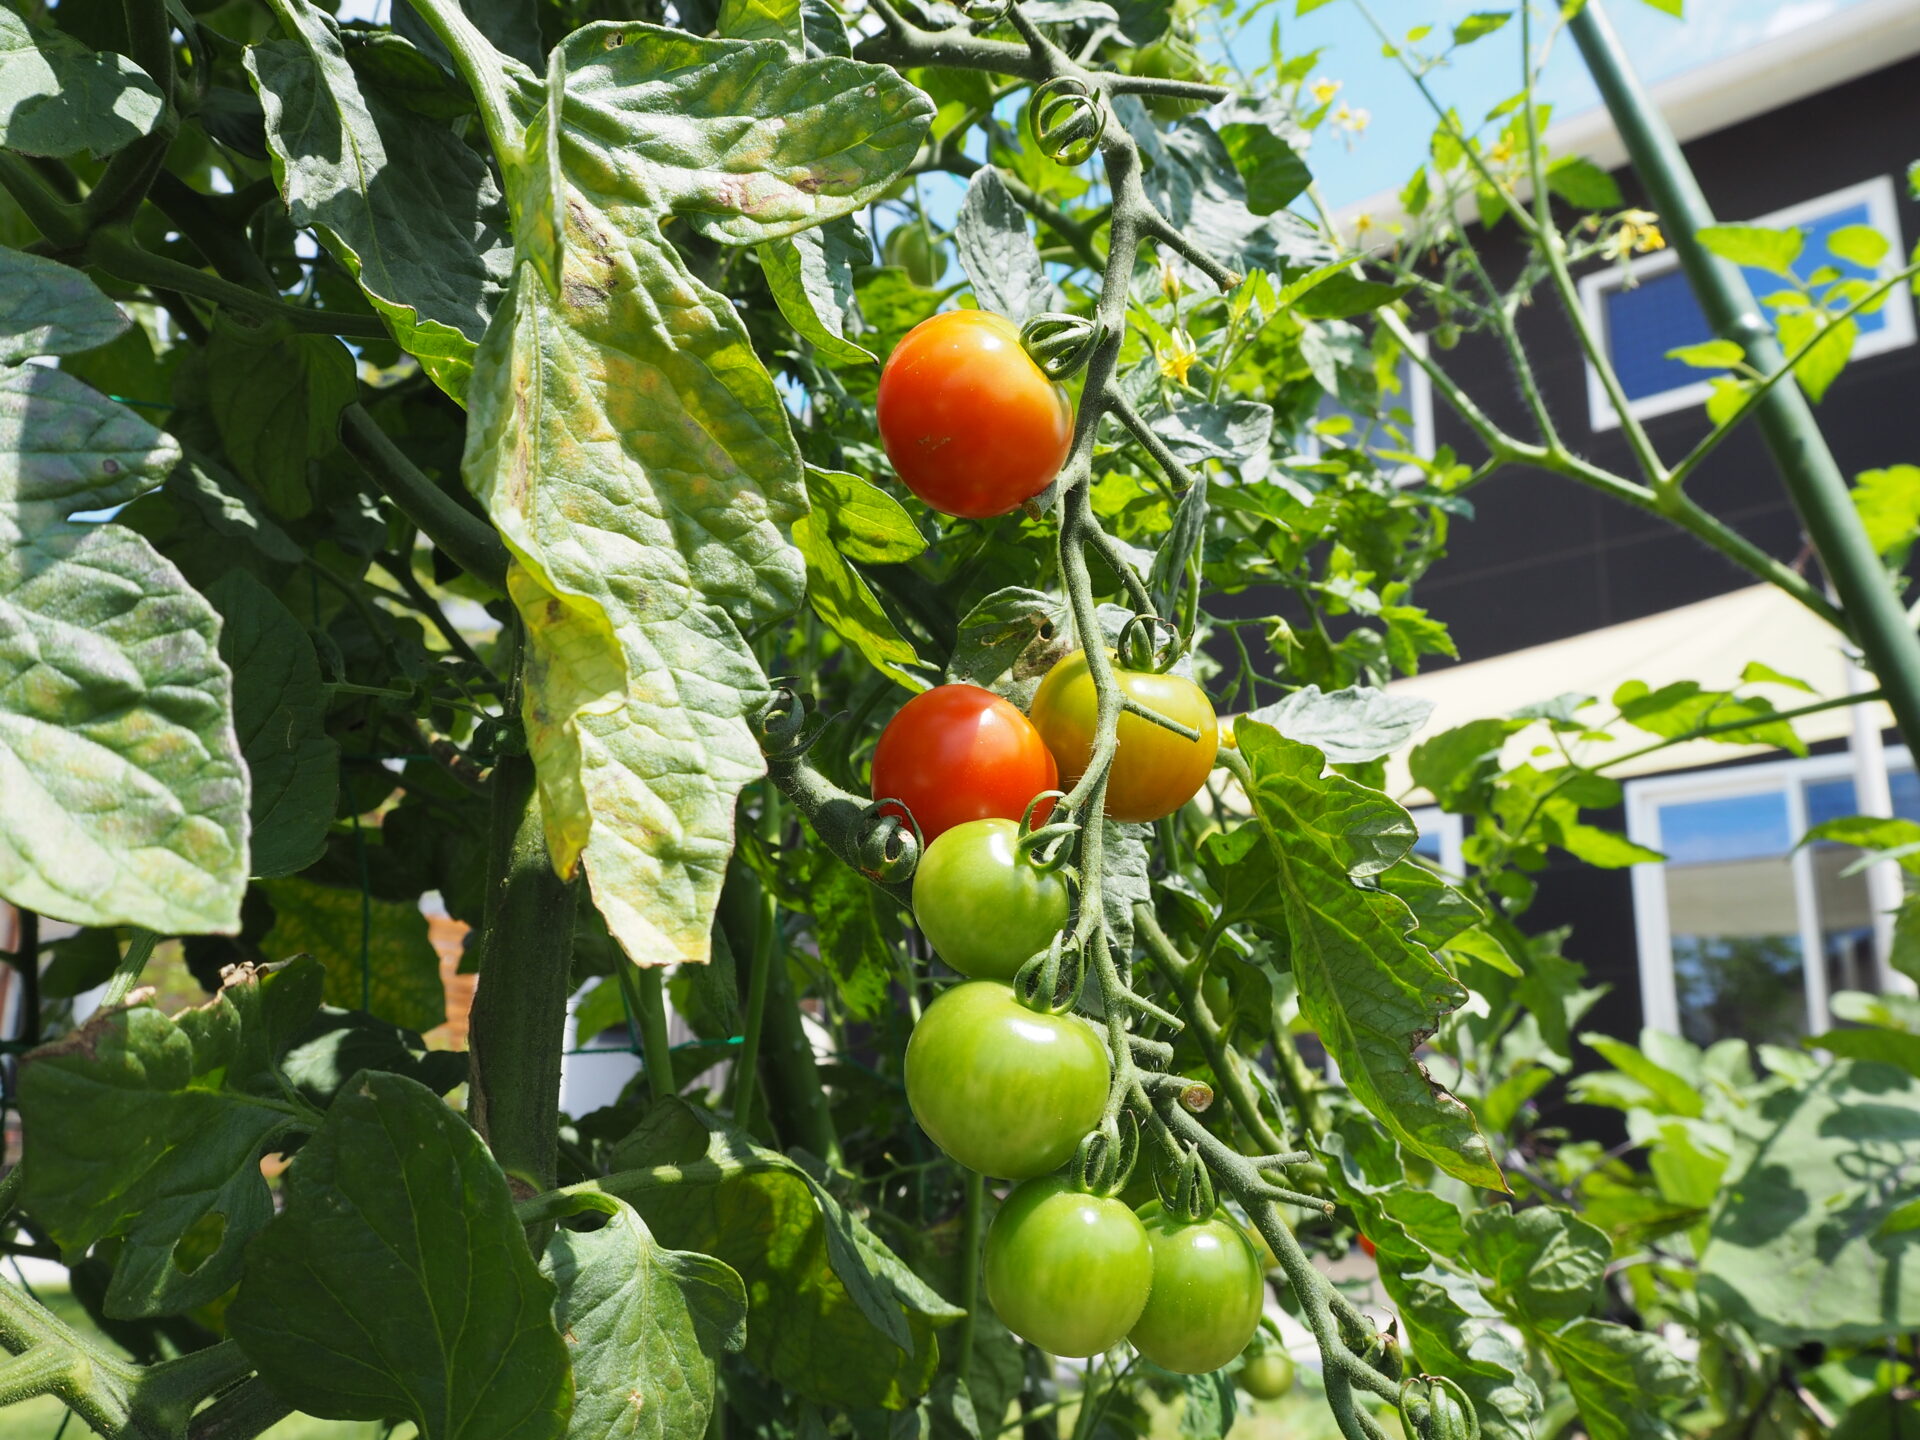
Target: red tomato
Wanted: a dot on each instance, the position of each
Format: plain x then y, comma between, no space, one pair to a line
957,753
971,424
1368,1246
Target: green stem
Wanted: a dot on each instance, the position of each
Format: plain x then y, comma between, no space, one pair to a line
127,973
649,1006
970,1258
1800,451
519,1018
469,541
746,1066
58,221
486,72
116,252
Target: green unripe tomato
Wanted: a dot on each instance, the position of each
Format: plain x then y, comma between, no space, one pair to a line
1268,1373
912,248
1207,1292
986,910
1001,1089
1067,1271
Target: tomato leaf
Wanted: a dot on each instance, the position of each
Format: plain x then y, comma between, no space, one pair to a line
122,792
277,406
624,1298
837,1318
1889,504
376,953
279,714
59,98
405,204
1623,1381
1371,992
151,1129
47,308
997,250
633,451
397,1282
1349,726
811,276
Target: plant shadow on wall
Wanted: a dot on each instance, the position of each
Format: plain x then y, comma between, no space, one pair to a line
449,466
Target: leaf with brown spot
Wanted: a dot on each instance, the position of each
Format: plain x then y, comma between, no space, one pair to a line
633,450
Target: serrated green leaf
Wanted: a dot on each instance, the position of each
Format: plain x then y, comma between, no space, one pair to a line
1607,849
811,276
1889,504
279,715
1674,1093
1829,347
406,205
851,518
635,455
1458,764
1348,726
277,406
397,1282
761,20
144,1128
1269,162
47,308
1683,709
1544,1264
1370,992
1479,25
1758,673
377,954
1755,246
857,927
997,251
1579,181
836,1318
339,1044
1625,1382
1861,244
1709,355
122,793
1343,294
862,521
647,1327
59,98
1000,629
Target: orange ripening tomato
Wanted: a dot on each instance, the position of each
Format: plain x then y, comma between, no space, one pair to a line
957,753
971,424
1155,771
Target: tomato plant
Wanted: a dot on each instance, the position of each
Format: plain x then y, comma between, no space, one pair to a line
1068,1271
958,753
1155,770
984,907
971,424
474,485
1002,1089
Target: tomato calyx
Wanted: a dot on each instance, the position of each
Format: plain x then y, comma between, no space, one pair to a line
1068,120
1051,980
1189,1197
891,842
1149,643
1448,1413
1106,1155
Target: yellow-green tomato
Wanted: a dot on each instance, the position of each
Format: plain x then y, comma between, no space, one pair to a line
1002,1089
1067,1271
1207,1292
1155,771
1268,1373
983,907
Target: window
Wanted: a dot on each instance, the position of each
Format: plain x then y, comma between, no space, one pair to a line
1639,324
1440,835
1410,412
1727,922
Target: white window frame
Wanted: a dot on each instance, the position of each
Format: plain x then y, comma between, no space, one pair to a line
1432,820
1659,996
1883,213
1419,404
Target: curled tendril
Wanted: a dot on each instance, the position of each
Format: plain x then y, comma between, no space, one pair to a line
1068,120
1449,1411
1105,1158
890,842
1061,344
787,724
1190,1197
985,13
1149,642
1051,980
1050,846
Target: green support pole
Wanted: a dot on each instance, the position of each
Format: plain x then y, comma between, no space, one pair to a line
1814,481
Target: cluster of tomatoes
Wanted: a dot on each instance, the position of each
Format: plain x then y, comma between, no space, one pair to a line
975,428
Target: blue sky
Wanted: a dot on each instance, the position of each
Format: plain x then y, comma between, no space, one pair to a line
1488,72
